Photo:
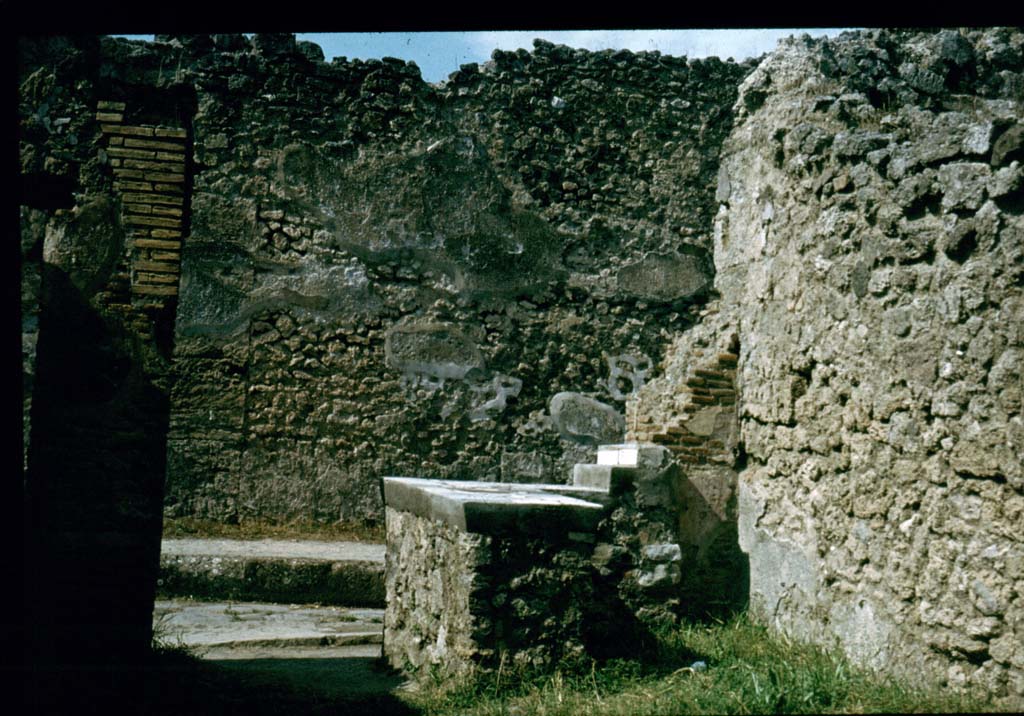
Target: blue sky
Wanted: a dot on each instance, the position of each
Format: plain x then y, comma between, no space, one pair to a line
438,54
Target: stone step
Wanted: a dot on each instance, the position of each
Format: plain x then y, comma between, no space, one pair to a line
625,455
616,465
609,478
290,571
225,628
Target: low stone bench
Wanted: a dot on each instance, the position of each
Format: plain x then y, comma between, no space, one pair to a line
480,572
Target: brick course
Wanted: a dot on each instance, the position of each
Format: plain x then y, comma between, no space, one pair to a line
149,167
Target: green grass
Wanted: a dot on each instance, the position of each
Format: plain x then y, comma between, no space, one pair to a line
749,671
183,527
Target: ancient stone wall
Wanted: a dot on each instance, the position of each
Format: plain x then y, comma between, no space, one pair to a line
869,254
385,277
96,363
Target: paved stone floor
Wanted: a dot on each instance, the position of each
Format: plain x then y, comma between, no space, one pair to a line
287,549
240,625
332,651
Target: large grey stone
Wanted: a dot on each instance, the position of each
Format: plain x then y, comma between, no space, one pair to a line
86,243
1009,145
439,350
963,184
602,477
585,420
665,277
659,576
663,552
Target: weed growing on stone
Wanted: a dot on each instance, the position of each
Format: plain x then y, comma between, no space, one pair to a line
748,670
168,641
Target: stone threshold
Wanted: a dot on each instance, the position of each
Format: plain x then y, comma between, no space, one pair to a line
290,572
251,625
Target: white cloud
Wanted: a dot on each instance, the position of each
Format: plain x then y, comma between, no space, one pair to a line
738,44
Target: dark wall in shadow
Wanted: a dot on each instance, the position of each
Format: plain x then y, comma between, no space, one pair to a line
174,683
93,489
715,580
96,366
717,583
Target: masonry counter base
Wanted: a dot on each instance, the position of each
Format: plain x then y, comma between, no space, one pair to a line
477,572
